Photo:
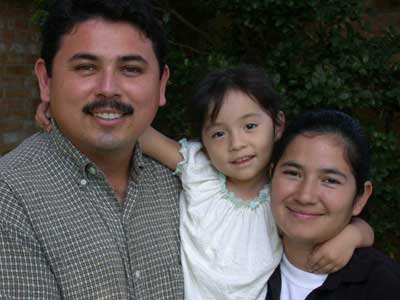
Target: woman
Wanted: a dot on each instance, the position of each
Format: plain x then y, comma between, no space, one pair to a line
319,182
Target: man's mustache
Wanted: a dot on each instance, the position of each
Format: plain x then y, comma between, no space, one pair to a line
124,108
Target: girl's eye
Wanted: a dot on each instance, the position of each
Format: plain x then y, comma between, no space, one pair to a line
217,134
250,126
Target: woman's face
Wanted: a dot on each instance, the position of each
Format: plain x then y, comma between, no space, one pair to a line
313,189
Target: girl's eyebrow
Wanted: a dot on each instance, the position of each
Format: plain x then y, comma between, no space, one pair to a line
216,124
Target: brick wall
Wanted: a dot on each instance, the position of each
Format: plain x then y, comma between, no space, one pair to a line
19,48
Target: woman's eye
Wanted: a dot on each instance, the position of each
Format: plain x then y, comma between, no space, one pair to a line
250,126
291,173
217,134
331,181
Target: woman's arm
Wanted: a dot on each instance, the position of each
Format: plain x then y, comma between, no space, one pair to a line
160,147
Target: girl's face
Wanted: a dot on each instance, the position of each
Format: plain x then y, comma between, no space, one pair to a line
240,141
313,189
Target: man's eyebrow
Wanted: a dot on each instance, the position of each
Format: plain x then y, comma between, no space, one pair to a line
123,58
137,58
85,56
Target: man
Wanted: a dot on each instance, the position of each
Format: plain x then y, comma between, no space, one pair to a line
83,214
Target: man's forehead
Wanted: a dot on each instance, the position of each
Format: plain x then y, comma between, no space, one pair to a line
98,35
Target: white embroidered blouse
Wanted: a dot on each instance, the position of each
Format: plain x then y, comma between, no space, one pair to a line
230,247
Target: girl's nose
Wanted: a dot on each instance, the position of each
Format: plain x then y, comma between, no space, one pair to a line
237,141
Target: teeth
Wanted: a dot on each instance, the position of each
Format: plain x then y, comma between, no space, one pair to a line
108,116
242,159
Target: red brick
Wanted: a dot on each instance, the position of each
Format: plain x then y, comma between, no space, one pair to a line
16,93
19,70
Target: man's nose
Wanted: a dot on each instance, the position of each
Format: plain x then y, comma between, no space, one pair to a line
108,86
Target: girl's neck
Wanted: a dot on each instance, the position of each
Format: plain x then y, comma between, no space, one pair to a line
297,253
247,189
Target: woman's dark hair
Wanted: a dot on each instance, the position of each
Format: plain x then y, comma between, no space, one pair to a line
64,15
210,93
355,141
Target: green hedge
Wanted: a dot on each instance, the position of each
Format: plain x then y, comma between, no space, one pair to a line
319,53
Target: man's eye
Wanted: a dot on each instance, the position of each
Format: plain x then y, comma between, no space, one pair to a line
250,126
131,70
85,68
217,134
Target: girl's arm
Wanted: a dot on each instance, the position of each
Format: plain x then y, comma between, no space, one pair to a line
334,254
160,147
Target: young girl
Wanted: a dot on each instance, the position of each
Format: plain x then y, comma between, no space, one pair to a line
230,245
319,181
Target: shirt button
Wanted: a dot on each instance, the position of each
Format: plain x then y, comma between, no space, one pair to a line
137,274
92,170
83,182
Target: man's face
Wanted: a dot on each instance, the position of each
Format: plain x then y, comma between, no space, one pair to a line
105,86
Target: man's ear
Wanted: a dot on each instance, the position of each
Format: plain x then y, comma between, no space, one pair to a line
361,200
280,125
43,79
163,85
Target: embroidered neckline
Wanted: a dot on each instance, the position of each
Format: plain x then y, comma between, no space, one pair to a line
262,196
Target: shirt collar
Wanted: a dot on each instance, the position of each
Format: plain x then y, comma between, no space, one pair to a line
70,152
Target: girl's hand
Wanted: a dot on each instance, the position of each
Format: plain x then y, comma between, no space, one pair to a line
332,255
335,253
42,116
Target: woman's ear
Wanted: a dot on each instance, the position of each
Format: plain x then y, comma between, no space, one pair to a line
361,200
279,125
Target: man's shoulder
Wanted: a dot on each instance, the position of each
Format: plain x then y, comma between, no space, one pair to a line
31,153
155,166
156,171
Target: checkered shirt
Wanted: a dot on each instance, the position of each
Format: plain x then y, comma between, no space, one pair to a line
64,236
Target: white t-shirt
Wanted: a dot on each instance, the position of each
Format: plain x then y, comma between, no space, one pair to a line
296,283
230,247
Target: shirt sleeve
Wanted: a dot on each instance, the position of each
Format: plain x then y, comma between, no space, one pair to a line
194,159
24,272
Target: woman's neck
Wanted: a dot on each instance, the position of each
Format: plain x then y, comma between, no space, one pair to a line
298,253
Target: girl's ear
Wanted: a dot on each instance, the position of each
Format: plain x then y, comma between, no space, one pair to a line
362,199
280,125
